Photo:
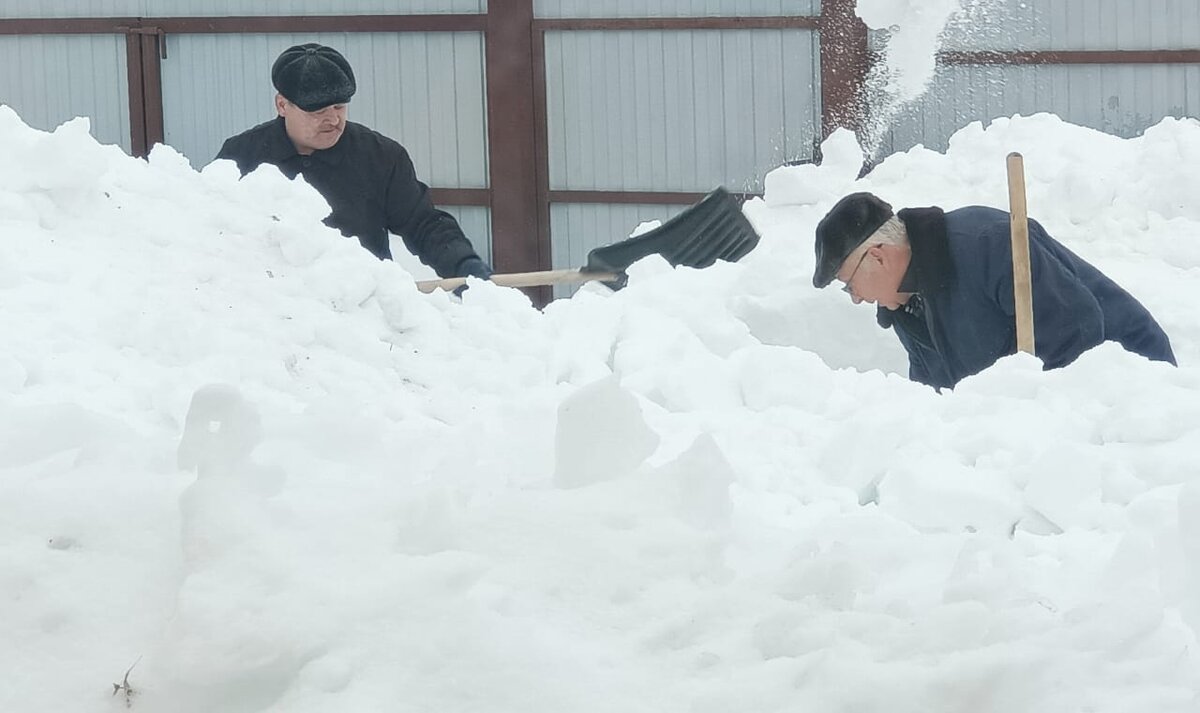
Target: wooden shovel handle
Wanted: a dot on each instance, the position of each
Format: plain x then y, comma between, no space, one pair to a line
1022,273
522,279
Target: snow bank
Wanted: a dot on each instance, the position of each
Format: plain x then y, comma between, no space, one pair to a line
236,446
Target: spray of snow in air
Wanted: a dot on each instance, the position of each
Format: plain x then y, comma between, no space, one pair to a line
908,35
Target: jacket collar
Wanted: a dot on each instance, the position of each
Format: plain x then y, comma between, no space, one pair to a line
926,228
931,270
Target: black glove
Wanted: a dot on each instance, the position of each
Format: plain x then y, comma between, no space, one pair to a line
472,267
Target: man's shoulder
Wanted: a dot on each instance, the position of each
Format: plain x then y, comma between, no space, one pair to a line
254,133
368,139
977,222
976,215
251,141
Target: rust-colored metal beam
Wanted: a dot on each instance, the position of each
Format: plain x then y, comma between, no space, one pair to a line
680,23
66,26
137,95
248,23
152,92
1042,57
845,60
541,147
520,241
462,196
322,23
623,197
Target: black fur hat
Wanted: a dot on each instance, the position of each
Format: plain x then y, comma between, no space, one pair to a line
851,221
313,76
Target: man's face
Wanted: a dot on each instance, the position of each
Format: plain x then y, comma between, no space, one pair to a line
312,130
872,273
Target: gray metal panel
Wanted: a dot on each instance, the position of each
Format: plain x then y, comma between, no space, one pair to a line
219,8
580,227
679,110
48,79
476,222
423,89
1122,100
674,8
1076,25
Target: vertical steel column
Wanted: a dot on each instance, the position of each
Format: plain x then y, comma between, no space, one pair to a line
844,63
153,51
143,47
137,93
519,242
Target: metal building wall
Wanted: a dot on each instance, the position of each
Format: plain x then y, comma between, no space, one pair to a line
49,79
1075,25
1121,99
674,8
678,111
425,90
675,111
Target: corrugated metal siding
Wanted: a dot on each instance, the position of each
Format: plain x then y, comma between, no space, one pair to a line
674,8
578,228
476,222
49,79
424,90
683,110
1076,25
1118,99
1121,100
227,8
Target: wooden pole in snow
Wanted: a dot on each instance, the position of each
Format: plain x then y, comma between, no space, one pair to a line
1022,274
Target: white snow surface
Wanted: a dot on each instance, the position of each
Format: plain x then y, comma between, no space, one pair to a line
242,454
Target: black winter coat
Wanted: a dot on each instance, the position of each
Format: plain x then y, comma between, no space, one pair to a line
962,319
369,182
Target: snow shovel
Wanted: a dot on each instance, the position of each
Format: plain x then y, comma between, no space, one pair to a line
713,229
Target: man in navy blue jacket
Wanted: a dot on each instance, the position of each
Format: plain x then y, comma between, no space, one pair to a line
944,282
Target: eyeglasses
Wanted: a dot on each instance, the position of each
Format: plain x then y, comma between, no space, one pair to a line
846,287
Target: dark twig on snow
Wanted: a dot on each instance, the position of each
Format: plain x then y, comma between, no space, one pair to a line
124,686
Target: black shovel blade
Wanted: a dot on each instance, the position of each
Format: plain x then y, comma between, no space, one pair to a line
713,229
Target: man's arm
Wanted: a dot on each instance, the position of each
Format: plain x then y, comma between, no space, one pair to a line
432,235
236,151
1067,319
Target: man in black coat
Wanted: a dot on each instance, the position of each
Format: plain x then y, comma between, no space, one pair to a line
367,178
943,281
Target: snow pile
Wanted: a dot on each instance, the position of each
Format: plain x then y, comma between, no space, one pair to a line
240,451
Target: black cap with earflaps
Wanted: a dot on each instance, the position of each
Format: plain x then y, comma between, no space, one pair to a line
850,222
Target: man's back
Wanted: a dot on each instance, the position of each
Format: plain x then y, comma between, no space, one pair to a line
1075,305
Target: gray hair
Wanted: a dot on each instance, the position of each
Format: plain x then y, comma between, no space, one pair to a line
891,232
